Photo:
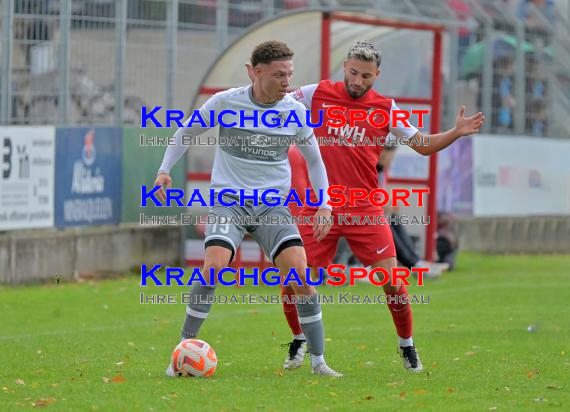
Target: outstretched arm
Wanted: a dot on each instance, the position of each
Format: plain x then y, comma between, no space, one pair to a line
464,126
173,153
171,156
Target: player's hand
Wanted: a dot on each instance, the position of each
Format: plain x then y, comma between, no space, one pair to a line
165,181
468,125
321,229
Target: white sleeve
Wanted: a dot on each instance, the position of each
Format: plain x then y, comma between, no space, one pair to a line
317,171
304,94
400,131
174,152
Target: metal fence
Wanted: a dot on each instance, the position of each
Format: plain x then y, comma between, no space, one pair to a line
70,62
513,66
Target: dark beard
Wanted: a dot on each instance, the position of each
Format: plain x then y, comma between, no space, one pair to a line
353,94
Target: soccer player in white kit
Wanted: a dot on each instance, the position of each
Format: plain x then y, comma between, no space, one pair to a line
248,167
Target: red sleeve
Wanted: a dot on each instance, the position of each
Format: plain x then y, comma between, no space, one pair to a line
299,177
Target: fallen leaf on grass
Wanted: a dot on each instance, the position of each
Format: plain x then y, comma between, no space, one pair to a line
533,373
554,386
333,394
40,403
402,395
396,383
119,363
20,382
420,391
106,380
278,372
450,390
470,353
118,379
493,408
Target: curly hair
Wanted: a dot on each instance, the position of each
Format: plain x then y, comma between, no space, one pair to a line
270,51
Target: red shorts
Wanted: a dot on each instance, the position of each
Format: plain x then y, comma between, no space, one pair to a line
369,243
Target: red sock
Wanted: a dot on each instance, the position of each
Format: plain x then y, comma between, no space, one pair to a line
401,313
290,311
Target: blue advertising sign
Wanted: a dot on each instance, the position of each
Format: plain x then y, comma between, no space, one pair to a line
88,176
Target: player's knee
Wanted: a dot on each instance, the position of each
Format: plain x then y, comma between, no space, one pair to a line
296,259
213,266
292,258
390,289
300,264
217,257
217,261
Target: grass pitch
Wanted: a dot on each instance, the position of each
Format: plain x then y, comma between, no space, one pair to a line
93,346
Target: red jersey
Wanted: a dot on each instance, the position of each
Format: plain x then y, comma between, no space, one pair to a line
350,161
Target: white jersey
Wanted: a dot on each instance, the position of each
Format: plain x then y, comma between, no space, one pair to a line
250,166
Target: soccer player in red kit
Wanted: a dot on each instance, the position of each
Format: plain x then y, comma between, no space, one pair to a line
354,166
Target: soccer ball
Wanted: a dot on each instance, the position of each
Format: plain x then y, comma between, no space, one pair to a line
194,357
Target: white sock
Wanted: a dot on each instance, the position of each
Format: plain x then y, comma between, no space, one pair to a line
300,336
405,342
315,360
